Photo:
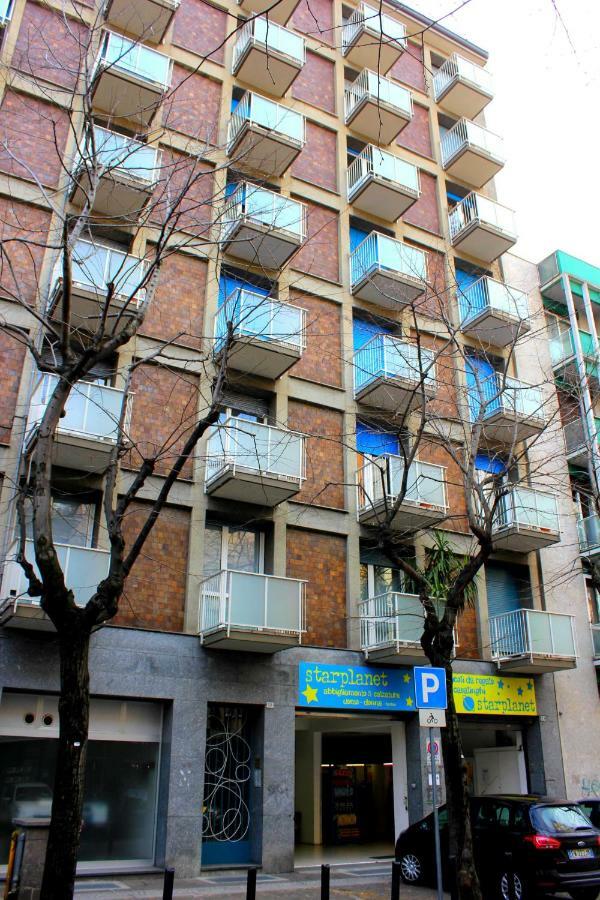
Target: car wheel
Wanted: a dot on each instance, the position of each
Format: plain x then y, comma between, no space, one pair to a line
411,868
585,894
520,891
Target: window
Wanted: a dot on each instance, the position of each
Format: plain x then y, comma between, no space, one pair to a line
379,576
559,819
73,520
228,547
375,442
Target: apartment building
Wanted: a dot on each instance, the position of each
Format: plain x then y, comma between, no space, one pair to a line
254,695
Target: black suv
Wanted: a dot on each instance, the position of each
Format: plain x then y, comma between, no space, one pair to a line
591,807
550,846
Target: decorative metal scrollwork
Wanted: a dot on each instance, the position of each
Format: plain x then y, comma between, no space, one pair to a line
226,814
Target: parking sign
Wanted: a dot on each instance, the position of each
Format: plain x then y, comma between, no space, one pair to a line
430,687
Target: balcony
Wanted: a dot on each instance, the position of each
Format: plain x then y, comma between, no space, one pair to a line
462,88
564,360
533,641
380,485
254,463
391,374
262,227
268,336
83,567
130,79
387,272
526,520
588,533
377,108
373,40
578,445
596,642
280,12
6,11
267,56
560,270
148,20
89,427
382,184
511,410
263,136
93,268
472,153
482,228
251,612
127,170
492,312
391,626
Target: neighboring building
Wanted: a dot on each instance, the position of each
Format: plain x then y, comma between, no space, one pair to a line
218,733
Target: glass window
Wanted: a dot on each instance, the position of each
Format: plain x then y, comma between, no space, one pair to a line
72,521
213,541
559,819
232,548
502,815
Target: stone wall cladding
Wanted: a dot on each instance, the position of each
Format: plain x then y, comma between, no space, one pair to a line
317,163
316,82
432,452
467,646
319,255
409,68
178,305
12,354
425,212
417,135
324,485
322,358
192,107
185,193
50,46
320,558
201,28
315,18
23,235
39,146
154,594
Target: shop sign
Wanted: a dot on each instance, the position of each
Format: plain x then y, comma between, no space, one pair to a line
356,687
494,695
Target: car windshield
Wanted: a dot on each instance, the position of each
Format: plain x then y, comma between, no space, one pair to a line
559,818
33,792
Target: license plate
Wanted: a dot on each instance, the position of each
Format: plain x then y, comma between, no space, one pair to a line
586,853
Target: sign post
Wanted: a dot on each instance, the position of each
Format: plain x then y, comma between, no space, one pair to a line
432,701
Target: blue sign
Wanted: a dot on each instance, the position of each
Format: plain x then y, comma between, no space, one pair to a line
430,687
323,686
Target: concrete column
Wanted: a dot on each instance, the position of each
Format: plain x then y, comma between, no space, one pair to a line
308,785
589,315
415,769
398,732
278,790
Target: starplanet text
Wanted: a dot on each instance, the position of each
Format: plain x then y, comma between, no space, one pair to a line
347,677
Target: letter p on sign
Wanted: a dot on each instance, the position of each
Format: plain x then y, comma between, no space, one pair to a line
430,688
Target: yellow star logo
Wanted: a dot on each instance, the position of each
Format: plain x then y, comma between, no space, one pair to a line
310,693
409,701
407,678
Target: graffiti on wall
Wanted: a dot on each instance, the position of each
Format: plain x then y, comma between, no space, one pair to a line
590,787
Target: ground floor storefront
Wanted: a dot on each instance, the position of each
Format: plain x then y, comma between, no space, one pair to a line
206,758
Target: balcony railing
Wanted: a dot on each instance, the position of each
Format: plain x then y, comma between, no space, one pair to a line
486,212
253,602
258,317
588,532
468,134
596,640
6,11
380,90
387,357
524,507
96,266
576,437
532,632
380,253
390,618
274,38
456,67
562,347
488,294
509,396
251,446
273,117
91,411
265,208
119,53
380,480
384,28
122,155
83,568
373,161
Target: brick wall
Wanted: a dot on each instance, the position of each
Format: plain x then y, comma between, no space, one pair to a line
154,595
49,46
417,136
568,407
322,358
20,273
320,254
39,146
316,82
178,304
317,163
425,212
12,354
201,28
324,485
184,193
467,646
164,410
409,68
193,105
432,452
315,18
435,300
321,559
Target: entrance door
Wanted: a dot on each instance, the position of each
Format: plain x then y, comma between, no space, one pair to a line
500,770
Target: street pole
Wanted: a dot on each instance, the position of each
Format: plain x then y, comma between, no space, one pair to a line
436,824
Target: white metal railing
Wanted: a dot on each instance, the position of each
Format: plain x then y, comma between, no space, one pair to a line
576,436
548,269
274,38
374,162
527,508
6,11
380,253
588,533
483,211
118,52
532,632
263,449
500,394
380,479
248,600
488,294
83,568
370,18
266,208
389,357
596,639
457,68
378,89
467,134
390,618
273,117
256,316
562,346
118,153
92,410
96,266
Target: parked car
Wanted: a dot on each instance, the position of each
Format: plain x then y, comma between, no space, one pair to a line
591,807
28,800
549,847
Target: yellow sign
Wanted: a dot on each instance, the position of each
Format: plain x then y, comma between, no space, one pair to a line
494,695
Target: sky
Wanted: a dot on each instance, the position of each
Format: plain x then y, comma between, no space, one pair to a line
545,58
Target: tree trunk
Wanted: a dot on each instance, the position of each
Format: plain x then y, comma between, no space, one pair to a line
73,707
